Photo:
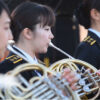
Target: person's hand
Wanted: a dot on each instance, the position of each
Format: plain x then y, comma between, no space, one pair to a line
98,72
71,77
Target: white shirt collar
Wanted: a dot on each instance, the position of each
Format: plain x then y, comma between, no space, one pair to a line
27,56
95,32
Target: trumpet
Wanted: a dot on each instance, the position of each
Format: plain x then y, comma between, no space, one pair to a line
89,82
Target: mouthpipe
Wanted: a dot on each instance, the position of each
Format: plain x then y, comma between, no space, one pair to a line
66,54
11,41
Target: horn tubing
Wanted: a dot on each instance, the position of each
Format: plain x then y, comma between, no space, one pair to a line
66,54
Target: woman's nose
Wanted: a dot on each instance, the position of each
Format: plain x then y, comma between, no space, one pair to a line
51,35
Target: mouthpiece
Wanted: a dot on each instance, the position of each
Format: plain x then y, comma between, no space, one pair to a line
11,41
51,44
66,54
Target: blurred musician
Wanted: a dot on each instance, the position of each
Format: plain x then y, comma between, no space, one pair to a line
31,28
5,31
88,15
5,35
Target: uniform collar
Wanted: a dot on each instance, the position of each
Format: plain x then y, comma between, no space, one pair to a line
24,55
95,32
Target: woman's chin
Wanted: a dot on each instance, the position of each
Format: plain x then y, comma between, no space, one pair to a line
44,51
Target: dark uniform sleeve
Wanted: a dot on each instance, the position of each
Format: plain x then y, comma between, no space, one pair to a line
10,63
88,53
14,61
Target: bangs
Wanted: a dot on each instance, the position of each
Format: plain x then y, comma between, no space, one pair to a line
47,17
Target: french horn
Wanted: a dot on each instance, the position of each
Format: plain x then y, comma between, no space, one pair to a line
89,83
55,87
50,86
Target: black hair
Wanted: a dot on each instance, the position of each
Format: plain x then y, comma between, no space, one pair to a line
83,11
3,6
28,14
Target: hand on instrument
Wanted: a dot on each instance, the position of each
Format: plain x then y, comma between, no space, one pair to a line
98,72
71,77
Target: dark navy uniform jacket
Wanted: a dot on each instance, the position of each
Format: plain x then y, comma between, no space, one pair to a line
12,61
89,50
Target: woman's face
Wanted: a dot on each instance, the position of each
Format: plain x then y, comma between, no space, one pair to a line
42,36
5,32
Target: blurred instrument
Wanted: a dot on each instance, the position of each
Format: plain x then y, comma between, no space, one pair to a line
50,86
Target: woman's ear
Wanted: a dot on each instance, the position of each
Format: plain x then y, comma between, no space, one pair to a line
95,14
27,33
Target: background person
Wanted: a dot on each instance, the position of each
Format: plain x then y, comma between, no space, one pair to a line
5,31
88,15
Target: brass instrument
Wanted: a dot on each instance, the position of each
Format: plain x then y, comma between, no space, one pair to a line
45,87
56,88
89,81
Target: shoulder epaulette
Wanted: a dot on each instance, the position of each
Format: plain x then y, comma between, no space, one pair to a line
89,40
14,58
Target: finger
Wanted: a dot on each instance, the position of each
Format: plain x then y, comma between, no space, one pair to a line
71,75
66,72
72,81
98,72
68,77
74,87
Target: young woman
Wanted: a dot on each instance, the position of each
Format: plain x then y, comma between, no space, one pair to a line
88,15
31,28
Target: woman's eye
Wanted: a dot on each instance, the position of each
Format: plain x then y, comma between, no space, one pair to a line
6,28
47,29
